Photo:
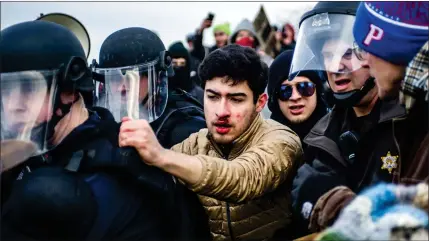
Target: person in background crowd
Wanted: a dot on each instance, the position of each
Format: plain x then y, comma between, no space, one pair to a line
190,41
352,147
288,37
195,60
245,35
221,33
182,79
400,72
285,39
296,103
278,40
241,165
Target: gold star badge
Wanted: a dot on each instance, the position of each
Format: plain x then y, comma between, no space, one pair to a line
389,162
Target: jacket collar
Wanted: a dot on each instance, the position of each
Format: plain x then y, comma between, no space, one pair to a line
238,145
389,110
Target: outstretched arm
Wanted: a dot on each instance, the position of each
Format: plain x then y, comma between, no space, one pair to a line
260,169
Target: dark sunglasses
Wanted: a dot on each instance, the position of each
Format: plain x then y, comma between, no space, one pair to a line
306,89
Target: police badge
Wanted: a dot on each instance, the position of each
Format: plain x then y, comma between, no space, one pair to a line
389,162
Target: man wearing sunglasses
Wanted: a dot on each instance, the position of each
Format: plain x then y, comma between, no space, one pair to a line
395,47
296,103
353,146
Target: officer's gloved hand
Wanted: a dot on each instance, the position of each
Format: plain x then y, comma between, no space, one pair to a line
329,206
148,175
124,162
309,185
127,163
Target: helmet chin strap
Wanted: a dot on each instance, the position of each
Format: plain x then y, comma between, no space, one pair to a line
353,97
144,101
65,109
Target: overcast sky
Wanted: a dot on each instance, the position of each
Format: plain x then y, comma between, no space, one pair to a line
171,20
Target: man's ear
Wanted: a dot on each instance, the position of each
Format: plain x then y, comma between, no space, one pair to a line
261,102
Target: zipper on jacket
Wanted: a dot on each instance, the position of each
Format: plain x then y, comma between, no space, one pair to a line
228,211
399,163
228,216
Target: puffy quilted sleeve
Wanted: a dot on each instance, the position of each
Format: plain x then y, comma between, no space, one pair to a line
257,171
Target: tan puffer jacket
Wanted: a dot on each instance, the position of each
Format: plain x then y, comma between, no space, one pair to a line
246,194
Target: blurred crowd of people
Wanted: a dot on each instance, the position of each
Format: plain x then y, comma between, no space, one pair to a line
326,134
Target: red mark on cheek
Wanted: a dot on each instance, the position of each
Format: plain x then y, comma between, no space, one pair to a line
238,117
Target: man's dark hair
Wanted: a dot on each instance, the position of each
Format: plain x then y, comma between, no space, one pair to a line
237,64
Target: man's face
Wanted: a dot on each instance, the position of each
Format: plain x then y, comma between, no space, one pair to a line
122,86
289,36
344,69
179,62
229,109
388,76
299,107
221,38
23,109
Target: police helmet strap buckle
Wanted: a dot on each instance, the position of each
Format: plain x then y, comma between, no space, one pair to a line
75,69
165,60
96,76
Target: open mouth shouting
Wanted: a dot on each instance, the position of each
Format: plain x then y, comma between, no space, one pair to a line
342,84
296,109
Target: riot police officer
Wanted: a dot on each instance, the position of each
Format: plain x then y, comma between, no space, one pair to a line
63,175
134,68
347,146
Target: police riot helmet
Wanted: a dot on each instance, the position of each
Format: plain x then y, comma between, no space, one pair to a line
134,67
39,62
325,43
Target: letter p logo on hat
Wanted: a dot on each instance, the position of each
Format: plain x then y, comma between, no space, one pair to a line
375,33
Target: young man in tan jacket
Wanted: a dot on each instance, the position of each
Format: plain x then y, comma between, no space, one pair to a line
241,165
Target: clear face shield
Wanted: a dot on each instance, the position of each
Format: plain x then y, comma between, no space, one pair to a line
27,106
325,43
138,92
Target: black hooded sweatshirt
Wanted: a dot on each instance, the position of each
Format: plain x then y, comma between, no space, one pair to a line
279,71
182,75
